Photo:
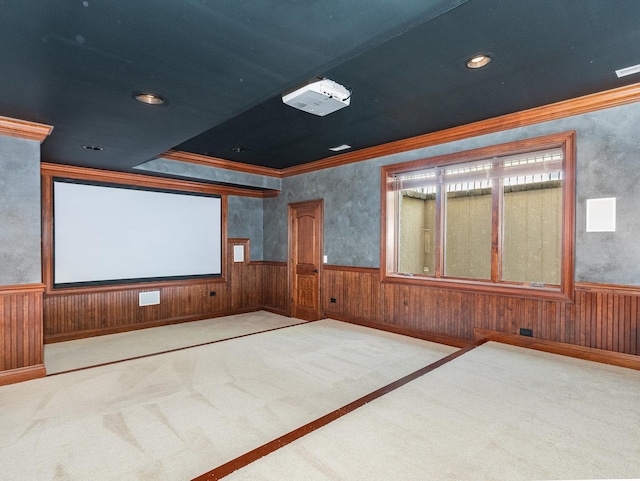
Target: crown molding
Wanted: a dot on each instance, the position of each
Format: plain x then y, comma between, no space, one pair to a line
24,129
150,181
220,163
558,110
566,108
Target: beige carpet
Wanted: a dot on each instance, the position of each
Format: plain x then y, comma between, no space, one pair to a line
177,415
495,413
69,355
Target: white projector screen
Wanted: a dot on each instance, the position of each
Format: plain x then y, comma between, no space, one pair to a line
107,234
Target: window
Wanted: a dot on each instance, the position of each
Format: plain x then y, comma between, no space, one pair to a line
497,219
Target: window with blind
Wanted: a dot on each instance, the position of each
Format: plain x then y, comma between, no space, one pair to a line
497,218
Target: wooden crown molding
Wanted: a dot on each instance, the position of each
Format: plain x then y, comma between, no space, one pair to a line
220,163
150,181
567,108
559,110
24,129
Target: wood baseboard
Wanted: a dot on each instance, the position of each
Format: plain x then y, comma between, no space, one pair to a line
425,336
274,310
21,374
580,352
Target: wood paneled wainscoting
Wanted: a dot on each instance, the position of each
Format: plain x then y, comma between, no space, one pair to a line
248,286
105,311
602,316
275,287
257,284
21,355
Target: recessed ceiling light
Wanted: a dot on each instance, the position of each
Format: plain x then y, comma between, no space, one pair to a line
94,148
623,72
148,98
340,147
478,61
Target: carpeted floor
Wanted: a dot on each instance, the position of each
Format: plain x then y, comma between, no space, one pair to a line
177,415
80,353
496,413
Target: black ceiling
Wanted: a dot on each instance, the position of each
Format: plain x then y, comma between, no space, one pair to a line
222,65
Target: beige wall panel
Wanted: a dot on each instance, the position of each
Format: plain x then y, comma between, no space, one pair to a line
468,237
417,235
532,237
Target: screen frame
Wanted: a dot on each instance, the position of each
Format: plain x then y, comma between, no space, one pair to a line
79,174
132,280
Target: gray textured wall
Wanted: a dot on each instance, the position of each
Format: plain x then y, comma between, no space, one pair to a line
608,165
19,211
245,220
351,213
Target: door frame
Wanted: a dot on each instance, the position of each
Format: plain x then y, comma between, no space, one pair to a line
319,203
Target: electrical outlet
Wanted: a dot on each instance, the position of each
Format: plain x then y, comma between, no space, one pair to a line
526,332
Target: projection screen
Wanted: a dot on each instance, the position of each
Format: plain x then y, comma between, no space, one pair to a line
108,234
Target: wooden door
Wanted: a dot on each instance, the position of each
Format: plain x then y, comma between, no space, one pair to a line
305,254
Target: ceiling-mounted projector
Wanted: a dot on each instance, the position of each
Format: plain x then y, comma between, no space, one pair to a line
319,96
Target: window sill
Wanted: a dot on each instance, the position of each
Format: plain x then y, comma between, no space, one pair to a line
514,290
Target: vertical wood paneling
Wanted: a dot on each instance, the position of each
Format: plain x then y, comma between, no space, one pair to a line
633,332
615,323
332,288
360,294
79,315
249,286
252,287
275,291
20,326
579,311
245,279
627,316
601,316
